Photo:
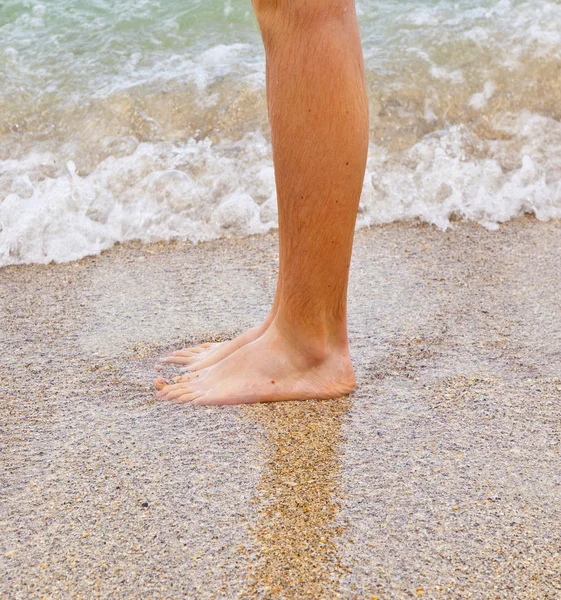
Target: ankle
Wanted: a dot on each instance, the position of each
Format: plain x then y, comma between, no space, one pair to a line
314,342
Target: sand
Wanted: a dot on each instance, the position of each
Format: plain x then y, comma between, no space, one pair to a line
440,477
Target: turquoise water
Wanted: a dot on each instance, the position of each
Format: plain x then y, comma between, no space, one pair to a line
62,46
146,120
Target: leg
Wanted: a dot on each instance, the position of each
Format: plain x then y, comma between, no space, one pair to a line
319,120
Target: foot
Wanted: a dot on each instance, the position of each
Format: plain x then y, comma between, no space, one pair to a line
207,354
272,367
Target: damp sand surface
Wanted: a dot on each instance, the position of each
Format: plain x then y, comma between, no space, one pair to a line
439,477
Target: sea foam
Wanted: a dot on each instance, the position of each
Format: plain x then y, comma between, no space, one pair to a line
201,191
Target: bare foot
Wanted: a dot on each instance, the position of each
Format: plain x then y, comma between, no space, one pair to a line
206,355
270,368
184,356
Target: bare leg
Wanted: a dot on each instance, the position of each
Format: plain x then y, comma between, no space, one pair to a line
319,120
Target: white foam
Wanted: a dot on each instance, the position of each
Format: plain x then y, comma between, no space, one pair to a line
453,173
195,191
480,99
199,191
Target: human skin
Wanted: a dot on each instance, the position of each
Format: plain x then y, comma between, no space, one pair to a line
318,113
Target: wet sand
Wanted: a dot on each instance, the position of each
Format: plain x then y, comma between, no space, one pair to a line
440,477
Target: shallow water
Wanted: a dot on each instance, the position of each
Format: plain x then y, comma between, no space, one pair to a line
146,120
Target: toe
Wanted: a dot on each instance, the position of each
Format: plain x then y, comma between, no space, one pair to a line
185,378
205,399
176,360
192,397
182,391
183,353
168,388
187,351
160,383
180,382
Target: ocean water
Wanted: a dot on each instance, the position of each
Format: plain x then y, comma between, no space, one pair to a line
147,120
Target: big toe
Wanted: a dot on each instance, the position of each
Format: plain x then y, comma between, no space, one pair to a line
160,383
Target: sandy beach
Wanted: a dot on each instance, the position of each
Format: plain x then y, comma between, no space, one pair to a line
440,477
